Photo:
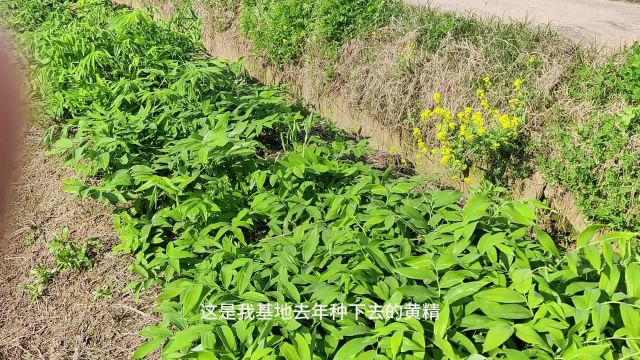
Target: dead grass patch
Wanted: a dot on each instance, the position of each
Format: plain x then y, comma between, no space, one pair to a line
68,322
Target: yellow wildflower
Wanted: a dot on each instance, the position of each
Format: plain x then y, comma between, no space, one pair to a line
517,84
425,115
437,97
416,132
466,180
487,81
504,120
477,118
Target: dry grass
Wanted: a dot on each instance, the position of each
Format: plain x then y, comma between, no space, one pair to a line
371,78
68,322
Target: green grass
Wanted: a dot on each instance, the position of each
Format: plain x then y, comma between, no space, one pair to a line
283,30
611,81
227,192
600,165
599,159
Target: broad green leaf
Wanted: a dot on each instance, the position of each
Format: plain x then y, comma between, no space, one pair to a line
147,348
587,235
475,208
350,349
632,279
546,242
191,298
590,352
527,334
501,295
289,352
302,347
631,319
496,336
310,244
441,324
463,290
446,348
522,280
396,342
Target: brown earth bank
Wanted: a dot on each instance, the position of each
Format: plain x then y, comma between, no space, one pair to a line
68,321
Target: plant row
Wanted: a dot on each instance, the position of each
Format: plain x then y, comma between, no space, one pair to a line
227,192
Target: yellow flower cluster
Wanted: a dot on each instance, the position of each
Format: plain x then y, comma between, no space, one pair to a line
472,131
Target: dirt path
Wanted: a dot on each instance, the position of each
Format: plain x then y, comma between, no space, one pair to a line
68,322
610,23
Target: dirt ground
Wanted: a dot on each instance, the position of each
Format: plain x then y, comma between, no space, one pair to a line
68,322
609,23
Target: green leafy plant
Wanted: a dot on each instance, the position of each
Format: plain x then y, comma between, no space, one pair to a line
30,239
41,277
598,161
104,292
227,192
611,81
67,255
70,256
482,135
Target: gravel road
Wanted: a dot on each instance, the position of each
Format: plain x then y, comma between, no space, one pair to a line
610,23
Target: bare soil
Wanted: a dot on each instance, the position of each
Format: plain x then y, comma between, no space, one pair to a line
68,322
605,22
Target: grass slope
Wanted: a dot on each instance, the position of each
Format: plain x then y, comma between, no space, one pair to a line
388,59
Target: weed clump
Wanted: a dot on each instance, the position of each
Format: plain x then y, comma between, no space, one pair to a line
282,30
67,255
